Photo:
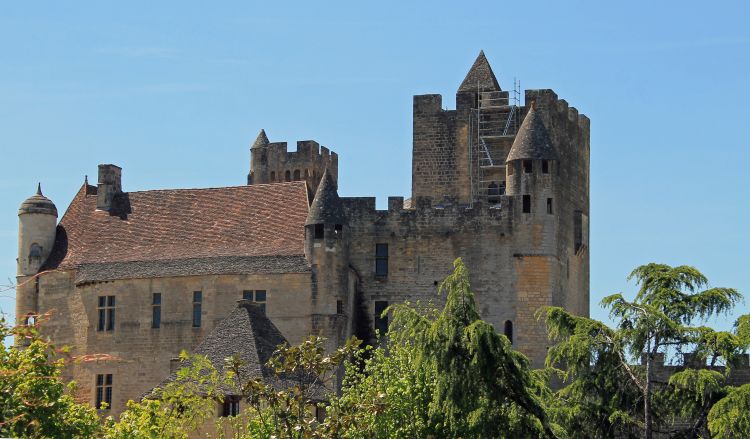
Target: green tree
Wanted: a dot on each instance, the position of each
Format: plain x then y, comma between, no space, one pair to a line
607,392
459,376
34,401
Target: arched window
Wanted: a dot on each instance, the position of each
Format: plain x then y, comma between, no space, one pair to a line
508,330
287,176
307,174
273,176
296,175
35,253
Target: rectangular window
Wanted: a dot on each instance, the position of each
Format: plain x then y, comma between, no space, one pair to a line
381,321
545,166
381,260
257,296
104,391
549,206
527,166
231,406
527,204
319,231
106,311
156,311
197,302
339,307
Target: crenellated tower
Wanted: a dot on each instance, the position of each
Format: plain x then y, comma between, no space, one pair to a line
270,162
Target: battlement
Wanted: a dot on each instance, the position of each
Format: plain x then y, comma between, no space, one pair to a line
272,162
739,372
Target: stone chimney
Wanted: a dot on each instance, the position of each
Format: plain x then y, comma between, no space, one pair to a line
108,186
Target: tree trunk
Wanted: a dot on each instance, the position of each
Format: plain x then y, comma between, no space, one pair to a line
647,400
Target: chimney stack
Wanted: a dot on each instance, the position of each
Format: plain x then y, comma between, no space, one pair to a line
108,186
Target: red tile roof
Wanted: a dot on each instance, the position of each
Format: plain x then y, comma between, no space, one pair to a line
165,225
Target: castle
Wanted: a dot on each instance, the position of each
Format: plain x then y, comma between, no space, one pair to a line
132,278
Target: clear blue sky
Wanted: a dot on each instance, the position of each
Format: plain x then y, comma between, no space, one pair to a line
174,92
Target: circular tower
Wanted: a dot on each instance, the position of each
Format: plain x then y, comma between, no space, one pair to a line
37,223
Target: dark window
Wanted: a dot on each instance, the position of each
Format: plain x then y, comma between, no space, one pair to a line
288,176
549,205
381,320
527,166
338,228
104,390
508,330
156,311
231,406
381,260
106,310
273,176
257,296
307,173
319,231
339,307
545,166
296,175
197,302
527,204
260,298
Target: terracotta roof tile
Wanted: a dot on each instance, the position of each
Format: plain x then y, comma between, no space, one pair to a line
167,225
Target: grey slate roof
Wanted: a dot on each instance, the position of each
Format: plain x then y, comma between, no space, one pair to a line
87,273
261,140
326,207
532,140
480,77
38,203
248,334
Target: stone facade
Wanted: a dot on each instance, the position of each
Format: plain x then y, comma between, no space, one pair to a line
513,202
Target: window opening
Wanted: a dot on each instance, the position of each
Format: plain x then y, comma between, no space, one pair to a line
197,305
528,167
527,204
381,260
549,206
257,296
288,176
296,175
508,330
231,406
545,166
273,176
319,231
156,311
106,308
339,307
381,321
104,391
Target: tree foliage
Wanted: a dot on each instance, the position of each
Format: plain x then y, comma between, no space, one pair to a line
606,390
34,401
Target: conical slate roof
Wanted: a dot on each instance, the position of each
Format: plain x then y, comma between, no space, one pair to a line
38,203
480,77
326,206
261,140
532,140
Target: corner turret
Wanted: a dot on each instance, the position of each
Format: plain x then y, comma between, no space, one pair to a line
37,221
326,218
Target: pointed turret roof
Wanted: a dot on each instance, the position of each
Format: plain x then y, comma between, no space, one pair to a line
38,203
480,77
532,140
261,140
326,206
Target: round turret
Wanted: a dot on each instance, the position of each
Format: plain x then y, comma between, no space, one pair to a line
532,155
37,223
